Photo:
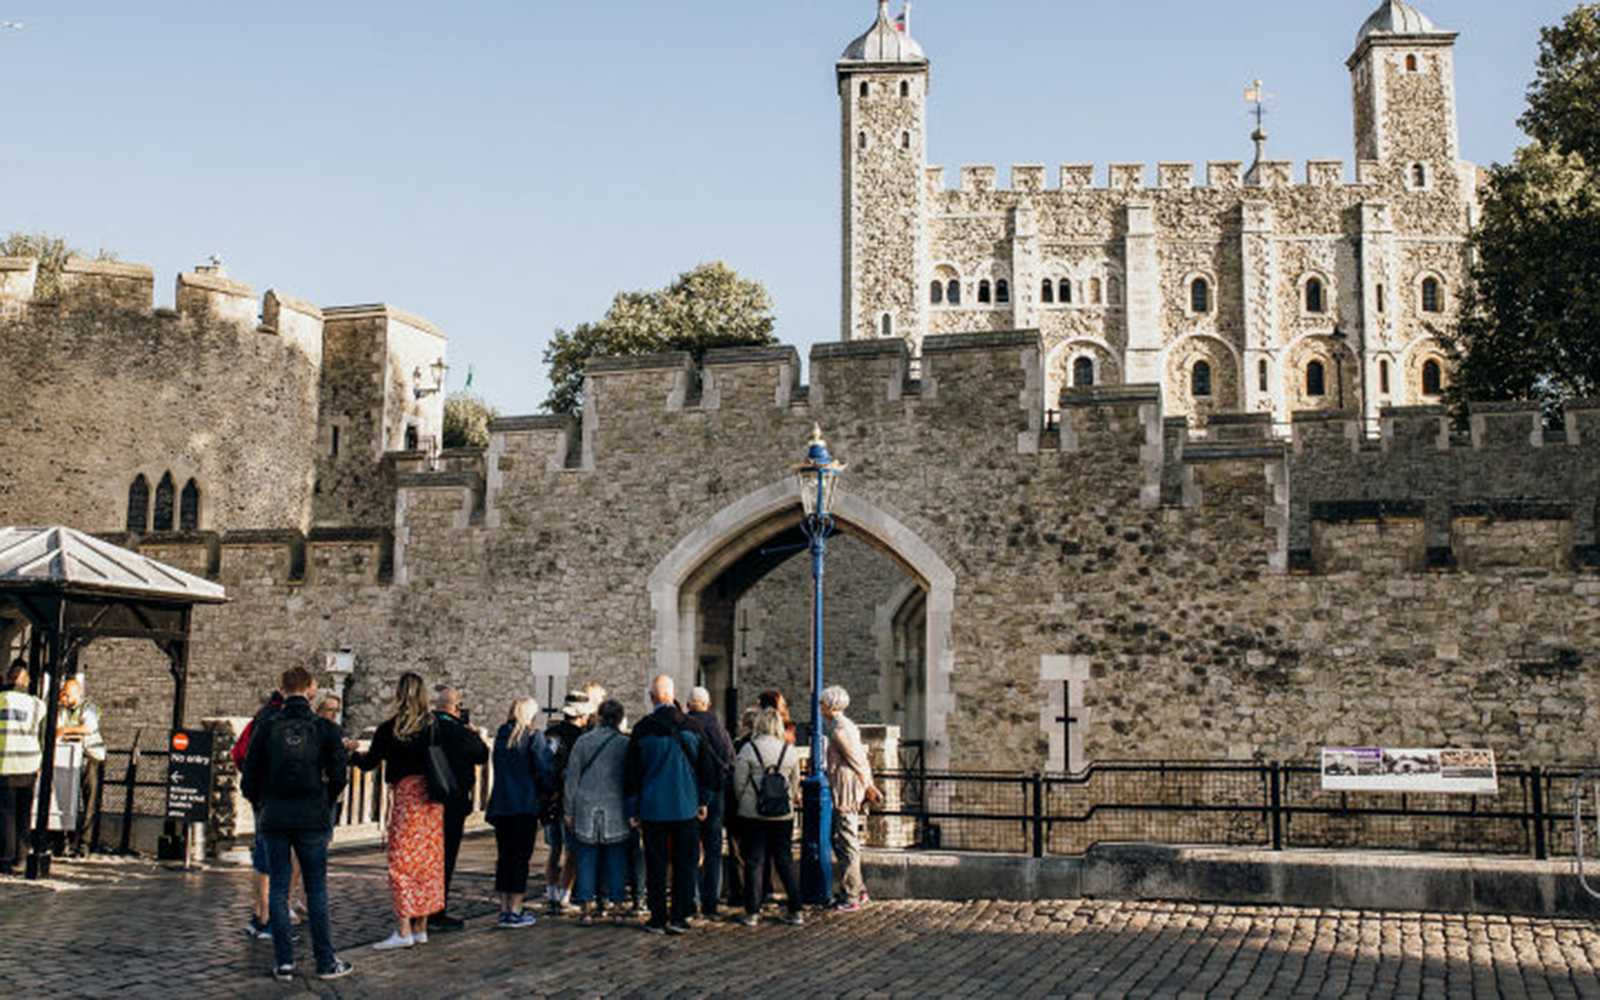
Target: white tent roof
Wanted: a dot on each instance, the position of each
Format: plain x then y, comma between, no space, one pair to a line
69,560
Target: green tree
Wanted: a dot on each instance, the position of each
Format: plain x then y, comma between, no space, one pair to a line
466,420
52,253
1530,323
709,306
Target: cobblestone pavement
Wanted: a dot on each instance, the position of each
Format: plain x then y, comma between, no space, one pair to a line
132,927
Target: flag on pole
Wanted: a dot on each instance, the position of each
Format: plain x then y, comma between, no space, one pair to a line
900,22
469,378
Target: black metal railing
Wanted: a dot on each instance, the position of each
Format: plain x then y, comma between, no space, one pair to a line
1223,803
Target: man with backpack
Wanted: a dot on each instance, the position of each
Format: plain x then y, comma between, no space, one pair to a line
294,771
668,780
721,746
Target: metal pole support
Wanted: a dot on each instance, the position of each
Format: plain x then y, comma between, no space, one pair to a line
1038,814
1540,848
1275,798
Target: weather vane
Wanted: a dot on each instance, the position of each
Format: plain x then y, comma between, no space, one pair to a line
1257,96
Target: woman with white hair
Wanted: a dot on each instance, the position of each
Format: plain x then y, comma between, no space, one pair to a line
850,775
524,774
767,777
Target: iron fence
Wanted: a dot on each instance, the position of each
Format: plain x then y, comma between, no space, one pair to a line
1219,803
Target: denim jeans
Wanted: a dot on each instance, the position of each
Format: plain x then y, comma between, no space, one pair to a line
609,863
311,846
711,857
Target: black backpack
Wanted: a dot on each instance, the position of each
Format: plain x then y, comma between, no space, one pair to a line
772,791
294,758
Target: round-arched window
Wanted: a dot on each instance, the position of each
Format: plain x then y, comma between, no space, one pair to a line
1200,379
1082,373
1316,379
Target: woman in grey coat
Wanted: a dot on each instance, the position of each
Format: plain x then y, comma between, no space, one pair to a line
768,833
594,813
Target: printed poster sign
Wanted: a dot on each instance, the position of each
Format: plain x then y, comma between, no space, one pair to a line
189,775
1373,769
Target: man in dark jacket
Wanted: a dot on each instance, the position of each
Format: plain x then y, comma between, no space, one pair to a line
466,751
669,780
721,747
293,773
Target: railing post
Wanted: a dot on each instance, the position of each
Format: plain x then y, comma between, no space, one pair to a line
1540,849
1275,793
130,779
1038,814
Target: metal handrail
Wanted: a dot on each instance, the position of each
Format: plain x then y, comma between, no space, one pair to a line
1593,778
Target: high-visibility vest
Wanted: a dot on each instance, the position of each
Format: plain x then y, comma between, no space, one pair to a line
20,716
86,714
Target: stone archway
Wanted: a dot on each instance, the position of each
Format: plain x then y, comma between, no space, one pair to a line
735,531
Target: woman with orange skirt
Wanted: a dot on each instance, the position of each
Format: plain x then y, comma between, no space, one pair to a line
416,822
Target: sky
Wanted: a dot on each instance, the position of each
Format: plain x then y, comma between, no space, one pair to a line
504,169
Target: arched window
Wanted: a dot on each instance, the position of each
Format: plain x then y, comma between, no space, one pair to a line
864,88
1002,291
983,290
1200,296
1314,303
936,293
905,89
1419,175
189,507
1316,379
1047,292
1432,378
1094,291
1113,291
952,292
1383,376
1083,373
888,325
861,140
1261,375
1432,296
162,521
139,503
413,438
1411,64
1200,379
1065,287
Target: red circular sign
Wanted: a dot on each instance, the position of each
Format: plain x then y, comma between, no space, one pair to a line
180,741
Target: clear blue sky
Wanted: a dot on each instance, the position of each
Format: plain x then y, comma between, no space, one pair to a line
504,168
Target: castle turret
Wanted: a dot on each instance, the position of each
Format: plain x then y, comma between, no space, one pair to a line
1402,77
883,89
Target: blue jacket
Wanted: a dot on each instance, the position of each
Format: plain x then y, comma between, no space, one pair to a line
671,771
524,774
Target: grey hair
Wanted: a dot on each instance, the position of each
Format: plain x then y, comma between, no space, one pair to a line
768,723
701,696
836,698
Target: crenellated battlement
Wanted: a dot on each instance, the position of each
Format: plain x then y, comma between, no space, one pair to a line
1218,175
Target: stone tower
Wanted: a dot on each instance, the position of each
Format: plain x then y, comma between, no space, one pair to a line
883,90
1402,77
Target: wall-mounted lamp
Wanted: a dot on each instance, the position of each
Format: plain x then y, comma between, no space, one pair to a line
437,369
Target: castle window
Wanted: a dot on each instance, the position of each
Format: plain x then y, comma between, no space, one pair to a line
333,440
1066,291
952,292
1094,291
1113,291
887,325
1316,379
189,507
865,88
1383,376
861,140
1411,64
1419,176
1432,378
1082,373
1200,379
162,521
413,441
905,89
1380,297
905,140
1047,292
983,291
1002,291
139,504
1314,302
936,293
1200,296
1261,375
1432,298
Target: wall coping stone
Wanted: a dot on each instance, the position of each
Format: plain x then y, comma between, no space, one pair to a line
533,422
1138,392
18,263
947,342
293,304
379,310
1514,510
861,348
667,361
1346,511
749,355
1322,416
1193,453
110,268
444,479
213,283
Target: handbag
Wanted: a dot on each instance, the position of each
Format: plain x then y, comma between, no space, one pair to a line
442,785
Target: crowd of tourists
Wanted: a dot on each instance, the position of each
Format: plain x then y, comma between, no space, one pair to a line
634,817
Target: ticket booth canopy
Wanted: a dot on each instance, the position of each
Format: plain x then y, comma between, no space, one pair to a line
67,589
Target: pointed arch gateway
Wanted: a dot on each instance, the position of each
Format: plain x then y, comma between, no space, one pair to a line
741,528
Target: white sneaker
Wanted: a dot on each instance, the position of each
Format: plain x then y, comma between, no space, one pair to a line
420,937
395,940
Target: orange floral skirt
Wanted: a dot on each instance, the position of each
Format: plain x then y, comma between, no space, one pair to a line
416,849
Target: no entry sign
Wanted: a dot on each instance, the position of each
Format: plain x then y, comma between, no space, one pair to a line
189,776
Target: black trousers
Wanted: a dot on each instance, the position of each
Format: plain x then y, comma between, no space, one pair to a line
677,845
514,837
769,838
455,824
16,802
88,804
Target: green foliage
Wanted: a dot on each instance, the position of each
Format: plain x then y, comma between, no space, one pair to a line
709,306
1530,325
466,420
52,253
